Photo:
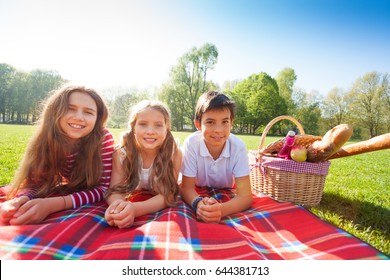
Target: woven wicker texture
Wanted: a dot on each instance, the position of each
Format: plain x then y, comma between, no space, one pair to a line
286,180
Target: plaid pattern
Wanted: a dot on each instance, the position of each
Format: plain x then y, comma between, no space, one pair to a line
319,168
268,230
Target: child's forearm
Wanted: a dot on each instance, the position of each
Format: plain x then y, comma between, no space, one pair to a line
188,192
113,197
151,205
188,195
59,203
237,204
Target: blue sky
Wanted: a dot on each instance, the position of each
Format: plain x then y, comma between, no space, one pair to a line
129,42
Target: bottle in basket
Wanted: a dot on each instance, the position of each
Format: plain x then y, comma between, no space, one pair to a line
288,143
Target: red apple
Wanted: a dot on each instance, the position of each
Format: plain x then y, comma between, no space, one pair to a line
298,153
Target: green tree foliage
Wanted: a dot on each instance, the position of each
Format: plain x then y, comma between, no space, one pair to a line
368,102
22,92
7,73
40,83
229,85
20,101
259,98
258,101
309,117
171,94
307,111
188,80
335,107
121,106
286,80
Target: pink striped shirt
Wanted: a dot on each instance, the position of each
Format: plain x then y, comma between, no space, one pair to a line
96,194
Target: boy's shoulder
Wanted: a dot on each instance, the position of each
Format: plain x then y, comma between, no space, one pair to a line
236,141
194,137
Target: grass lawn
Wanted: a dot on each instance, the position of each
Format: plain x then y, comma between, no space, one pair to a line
356,195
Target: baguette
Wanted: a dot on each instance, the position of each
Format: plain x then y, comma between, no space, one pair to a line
330,143
374,144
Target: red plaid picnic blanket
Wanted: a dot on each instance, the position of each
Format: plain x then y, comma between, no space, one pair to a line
268,230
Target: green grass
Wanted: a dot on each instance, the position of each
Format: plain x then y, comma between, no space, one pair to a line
356,193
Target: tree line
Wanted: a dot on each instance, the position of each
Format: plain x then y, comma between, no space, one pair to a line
259,98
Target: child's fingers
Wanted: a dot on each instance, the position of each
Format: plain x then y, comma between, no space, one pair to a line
118,206
126,209
210,213
112,207
125,223
212,200
110,221
9,209
22,216
22,209
109,218
5,216
18,202
11,205
205,200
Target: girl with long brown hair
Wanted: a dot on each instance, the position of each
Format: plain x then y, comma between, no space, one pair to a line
148,160
68,161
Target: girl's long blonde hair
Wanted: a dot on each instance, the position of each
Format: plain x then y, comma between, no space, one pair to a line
46,153
162,178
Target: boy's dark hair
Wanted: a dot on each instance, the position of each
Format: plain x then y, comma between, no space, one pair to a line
214,100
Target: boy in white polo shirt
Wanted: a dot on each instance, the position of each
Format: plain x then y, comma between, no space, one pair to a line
215,158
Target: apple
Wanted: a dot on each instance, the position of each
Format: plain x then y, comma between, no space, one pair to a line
298,153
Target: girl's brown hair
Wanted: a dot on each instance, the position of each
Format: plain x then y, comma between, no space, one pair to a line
46,153
162,178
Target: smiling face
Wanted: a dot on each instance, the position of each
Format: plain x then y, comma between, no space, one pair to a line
150,129
80,117
215,126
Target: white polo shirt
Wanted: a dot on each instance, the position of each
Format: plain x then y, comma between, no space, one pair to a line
220,173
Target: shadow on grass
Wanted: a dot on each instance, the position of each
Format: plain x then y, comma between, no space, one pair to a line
363,214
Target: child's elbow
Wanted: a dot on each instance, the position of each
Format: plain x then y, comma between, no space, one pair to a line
249,200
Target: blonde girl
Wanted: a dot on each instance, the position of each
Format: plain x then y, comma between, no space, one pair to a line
148,160
68,161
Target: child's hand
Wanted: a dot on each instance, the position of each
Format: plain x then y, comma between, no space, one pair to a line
120,213
10,207
31,212
209,210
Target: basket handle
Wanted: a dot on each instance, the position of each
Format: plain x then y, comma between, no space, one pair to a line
275,120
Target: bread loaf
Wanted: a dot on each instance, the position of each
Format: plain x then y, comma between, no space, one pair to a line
374,144
330,143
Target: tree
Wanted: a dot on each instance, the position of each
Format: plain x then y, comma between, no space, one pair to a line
22,92
259,99
188,80
41,84
242,118
171,95
307,110
120,107
20,101
7,73
309,117
335,106
229,85
367,102
285,80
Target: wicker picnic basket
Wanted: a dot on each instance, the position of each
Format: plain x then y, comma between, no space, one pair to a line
287,180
